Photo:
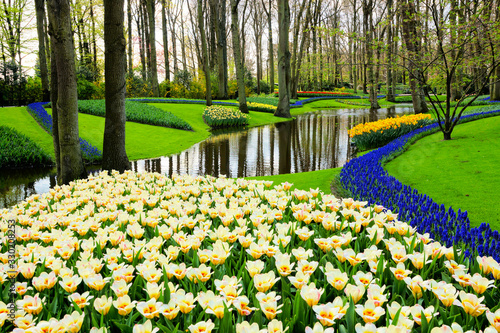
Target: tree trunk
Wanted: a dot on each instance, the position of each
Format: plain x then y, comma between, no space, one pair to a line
212,21
495,91
165,39
114,155
94,43
240,75
70,158
140,31
44,72
130,38
222,51
389,87
408,16
152,46
53,100
204,50
284,74
271,49
367,21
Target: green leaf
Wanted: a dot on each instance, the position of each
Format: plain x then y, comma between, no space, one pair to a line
350,317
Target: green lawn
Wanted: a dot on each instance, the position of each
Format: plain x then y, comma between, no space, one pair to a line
321,179
462,173
19,119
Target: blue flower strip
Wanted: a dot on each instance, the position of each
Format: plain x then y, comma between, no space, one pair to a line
44,119
365,179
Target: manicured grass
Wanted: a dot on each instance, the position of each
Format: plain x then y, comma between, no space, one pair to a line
321,179
462,173
20,120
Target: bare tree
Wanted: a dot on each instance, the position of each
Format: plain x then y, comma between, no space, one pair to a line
204,50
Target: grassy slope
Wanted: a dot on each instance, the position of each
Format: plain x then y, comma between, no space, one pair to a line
19,119
462,173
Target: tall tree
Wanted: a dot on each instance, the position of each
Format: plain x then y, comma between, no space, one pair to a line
204,50
165,38
284,72
42,58
70,155
390,88
130,39
240,75
222,92
151,5
368,6
413,46
270,52
114,155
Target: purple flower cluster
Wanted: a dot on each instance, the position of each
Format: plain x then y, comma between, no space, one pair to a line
365,179
38,112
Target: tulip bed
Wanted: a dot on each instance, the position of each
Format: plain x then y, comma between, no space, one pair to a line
365,179
220,117
261,107
378,133
144,253
90,153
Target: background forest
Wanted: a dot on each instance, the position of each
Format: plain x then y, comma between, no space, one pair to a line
334,44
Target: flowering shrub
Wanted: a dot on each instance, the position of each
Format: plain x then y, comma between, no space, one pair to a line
365,179
136,112
219,117
214,254
378,133
18,151
261,107
90,153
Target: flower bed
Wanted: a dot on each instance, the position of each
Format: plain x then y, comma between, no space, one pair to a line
365,179
261,107
221,117
18,151
214,254
90,153
378,133
136,112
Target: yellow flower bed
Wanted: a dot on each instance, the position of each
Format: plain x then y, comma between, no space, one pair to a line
389,123
261,107
144,253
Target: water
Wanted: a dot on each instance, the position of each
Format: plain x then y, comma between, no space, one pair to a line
314,141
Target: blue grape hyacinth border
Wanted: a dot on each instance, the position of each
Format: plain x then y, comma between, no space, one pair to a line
38,112
365,179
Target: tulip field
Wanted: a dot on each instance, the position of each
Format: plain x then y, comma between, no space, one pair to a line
140,252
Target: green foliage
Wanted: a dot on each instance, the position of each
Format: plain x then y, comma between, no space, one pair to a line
89,90
184,78
264,87
33,90
220,117
18,151
403,99
136,112
136,87
165,88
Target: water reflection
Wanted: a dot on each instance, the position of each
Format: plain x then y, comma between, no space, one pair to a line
314,141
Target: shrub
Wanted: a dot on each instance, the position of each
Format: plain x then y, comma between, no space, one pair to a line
220,117
18,151
136,87
33,90
378,133
136,112
320,93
